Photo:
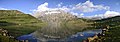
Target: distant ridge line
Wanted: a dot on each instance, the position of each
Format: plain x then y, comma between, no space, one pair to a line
11,11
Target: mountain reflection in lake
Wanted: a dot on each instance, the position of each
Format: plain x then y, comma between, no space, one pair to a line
79,37
60,28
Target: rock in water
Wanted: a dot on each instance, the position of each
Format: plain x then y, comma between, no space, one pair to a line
56,28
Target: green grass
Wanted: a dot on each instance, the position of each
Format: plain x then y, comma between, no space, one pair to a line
113,35
7,39
18,23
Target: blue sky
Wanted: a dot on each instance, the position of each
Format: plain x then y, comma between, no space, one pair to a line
93,8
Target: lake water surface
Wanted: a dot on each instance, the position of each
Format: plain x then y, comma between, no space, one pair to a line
78,37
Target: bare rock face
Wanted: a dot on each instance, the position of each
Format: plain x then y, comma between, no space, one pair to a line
56,28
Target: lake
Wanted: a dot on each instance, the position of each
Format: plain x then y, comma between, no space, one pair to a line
78,37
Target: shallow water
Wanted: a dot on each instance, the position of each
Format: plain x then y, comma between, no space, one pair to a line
78,37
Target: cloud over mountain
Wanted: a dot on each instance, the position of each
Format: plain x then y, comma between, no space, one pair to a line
111,14
43,7
89,7
105,15
81,7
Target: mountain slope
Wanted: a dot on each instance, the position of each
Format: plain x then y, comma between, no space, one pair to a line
113,35
111,21
18,23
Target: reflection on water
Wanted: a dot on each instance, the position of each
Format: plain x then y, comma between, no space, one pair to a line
79,37
28,37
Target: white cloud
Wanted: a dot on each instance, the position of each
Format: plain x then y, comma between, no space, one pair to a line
80,15
3,8
111,13
43,7
99,15
74,13
65,8
60,4
106,14
89,7
81,7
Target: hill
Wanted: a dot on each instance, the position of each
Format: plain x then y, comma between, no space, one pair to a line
18,23
113,35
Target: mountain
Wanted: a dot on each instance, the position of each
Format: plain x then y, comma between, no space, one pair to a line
60,24
111,21
18,23
93,18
